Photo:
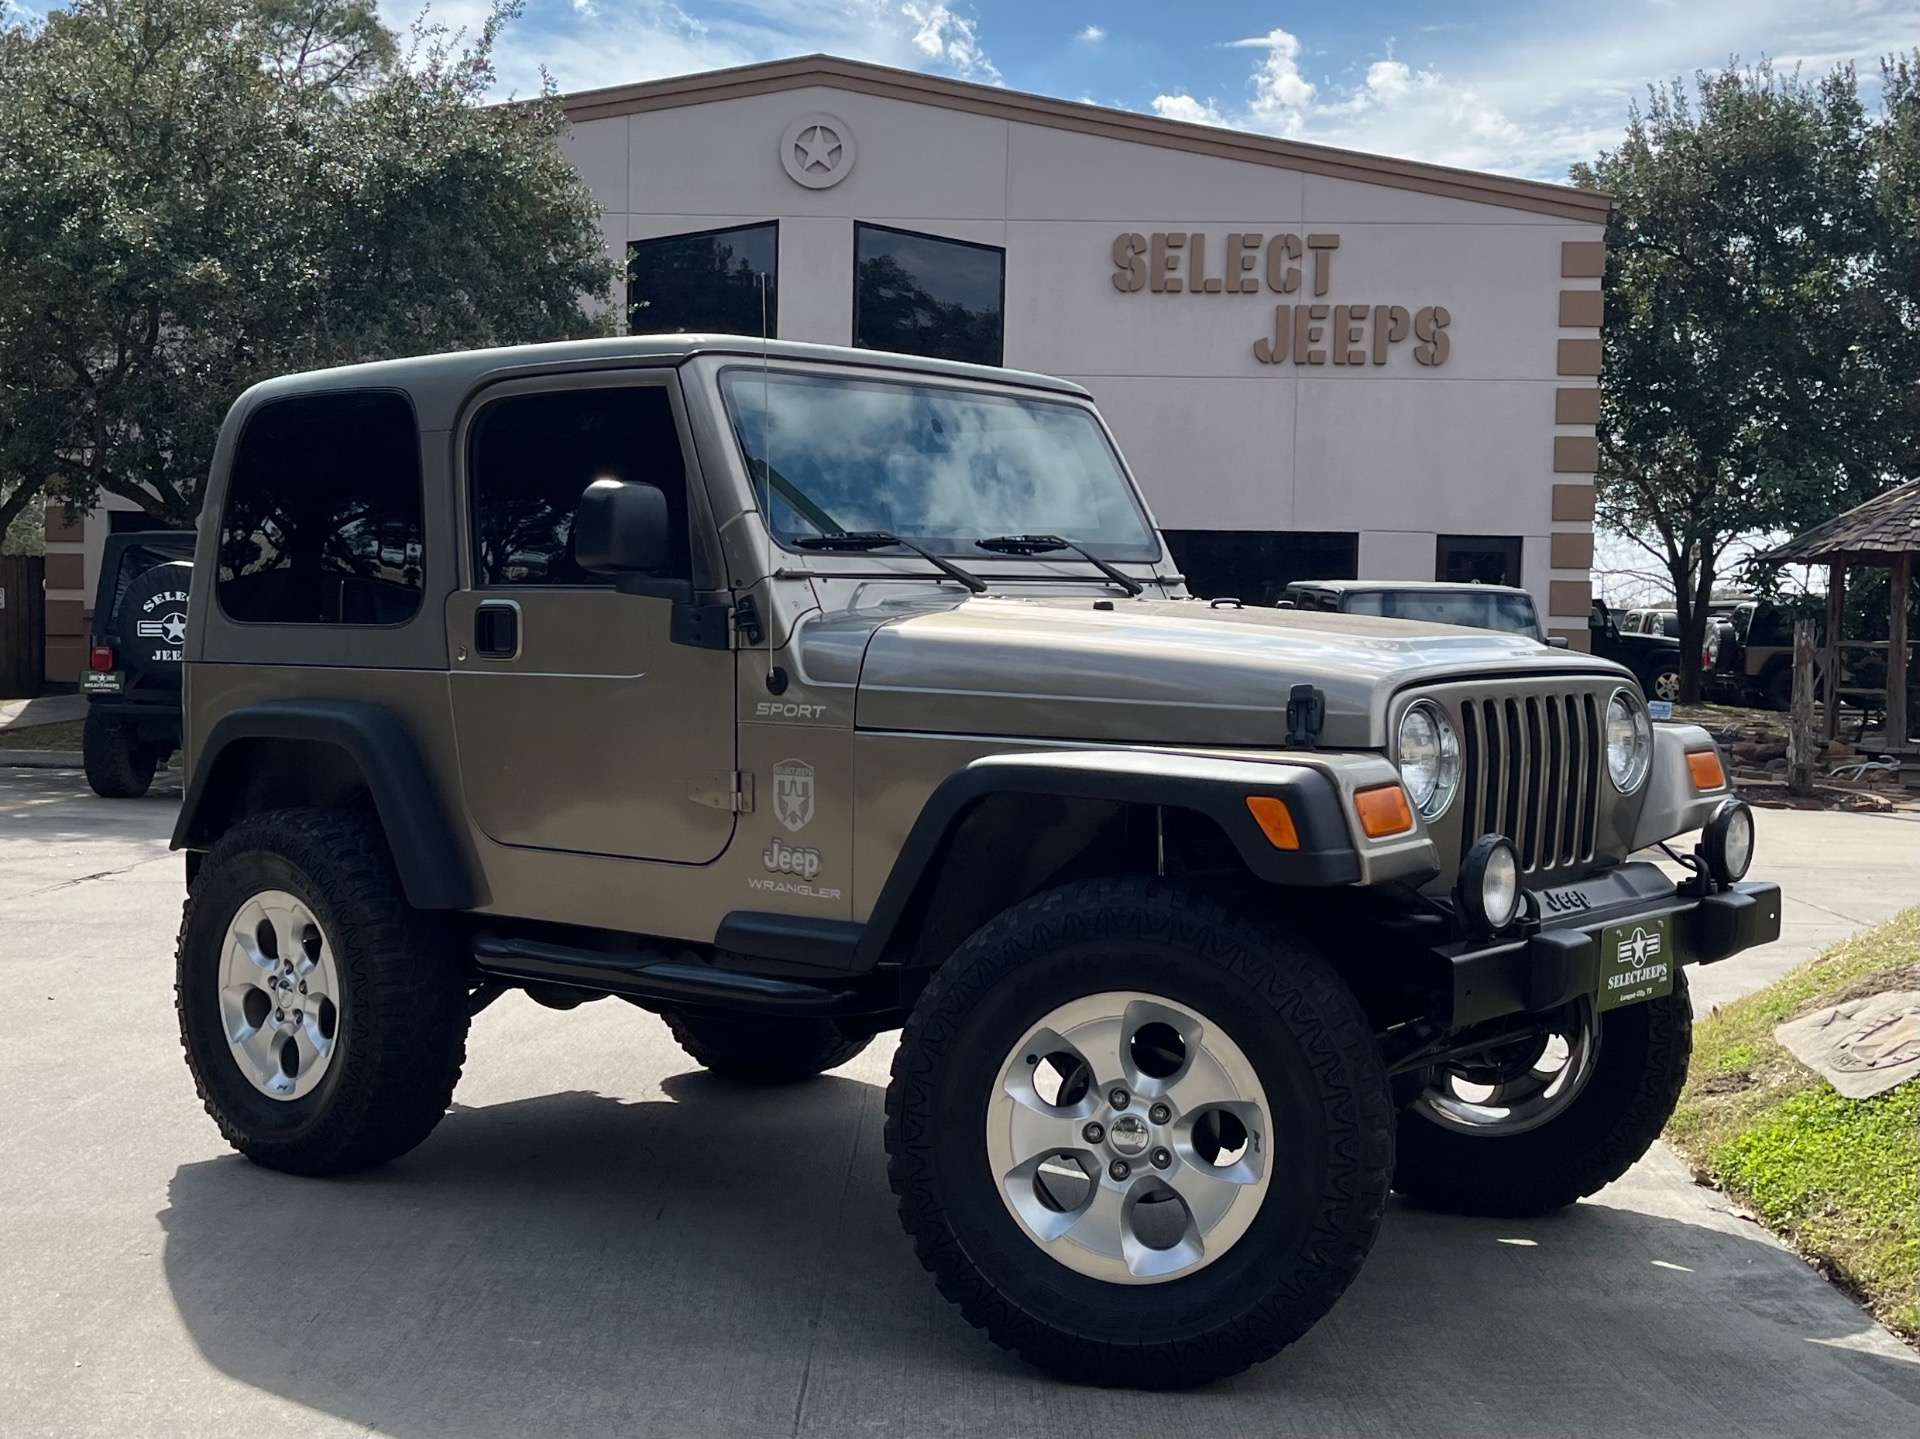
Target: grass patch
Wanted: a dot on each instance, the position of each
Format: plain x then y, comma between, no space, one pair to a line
65,735
1838,1178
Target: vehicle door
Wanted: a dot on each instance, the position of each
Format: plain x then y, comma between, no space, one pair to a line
582,724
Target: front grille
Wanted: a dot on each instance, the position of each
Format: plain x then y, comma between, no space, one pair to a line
1531,771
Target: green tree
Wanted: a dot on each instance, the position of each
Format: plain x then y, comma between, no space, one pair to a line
197,194
1760,332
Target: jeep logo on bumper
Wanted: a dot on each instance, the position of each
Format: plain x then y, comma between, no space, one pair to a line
1565,901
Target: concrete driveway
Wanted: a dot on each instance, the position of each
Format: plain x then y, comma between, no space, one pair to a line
600,1239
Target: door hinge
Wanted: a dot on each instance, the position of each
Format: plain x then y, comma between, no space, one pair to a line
746,620
732,790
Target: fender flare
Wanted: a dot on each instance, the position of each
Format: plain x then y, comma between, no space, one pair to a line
1217,787
434,866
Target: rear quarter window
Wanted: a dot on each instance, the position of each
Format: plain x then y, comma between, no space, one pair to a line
323,523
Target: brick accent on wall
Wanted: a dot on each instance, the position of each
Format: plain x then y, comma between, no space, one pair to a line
1583,259
1567,598
1577,407
1581,309
1575,454
1571,550
1579,357
1573,502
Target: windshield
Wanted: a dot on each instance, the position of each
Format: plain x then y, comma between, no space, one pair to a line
942,467
1488,611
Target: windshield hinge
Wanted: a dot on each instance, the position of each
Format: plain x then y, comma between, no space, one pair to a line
732,790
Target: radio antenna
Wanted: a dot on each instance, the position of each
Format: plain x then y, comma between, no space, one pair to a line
776,678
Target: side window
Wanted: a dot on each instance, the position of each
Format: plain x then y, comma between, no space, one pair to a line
710,281
530,459
323,520
925,295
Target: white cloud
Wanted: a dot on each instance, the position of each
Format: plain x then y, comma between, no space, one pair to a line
1553,87
1092,35
585,44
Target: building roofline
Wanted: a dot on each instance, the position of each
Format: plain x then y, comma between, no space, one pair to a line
859,76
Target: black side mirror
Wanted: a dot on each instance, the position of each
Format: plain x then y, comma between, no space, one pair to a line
621,528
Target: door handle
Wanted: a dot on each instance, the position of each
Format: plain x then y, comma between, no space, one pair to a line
496,630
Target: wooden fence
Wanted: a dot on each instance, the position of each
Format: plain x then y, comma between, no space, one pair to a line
23,625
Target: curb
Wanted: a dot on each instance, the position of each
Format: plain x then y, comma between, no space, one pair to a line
41,759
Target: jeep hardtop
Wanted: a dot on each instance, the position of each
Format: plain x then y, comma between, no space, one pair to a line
799,695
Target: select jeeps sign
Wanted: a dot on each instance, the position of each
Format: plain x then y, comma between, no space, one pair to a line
1299,332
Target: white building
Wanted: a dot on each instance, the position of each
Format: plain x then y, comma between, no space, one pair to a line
1319,363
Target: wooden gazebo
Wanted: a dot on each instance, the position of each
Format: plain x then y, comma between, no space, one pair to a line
1883,531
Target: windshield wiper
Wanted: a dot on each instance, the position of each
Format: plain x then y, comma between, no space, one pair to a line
880,540
1048,544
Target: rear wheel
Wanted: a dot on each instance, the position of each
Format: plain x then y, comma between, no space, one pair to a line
1533,1125
762,1049
324,1019
1663,682
118,764
1138,1140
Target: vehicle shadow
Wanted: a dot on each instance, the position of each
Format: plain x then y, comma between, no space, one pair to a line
726,1261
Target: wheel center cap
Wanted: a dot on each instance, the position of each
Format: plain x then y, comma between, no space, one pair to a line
1128,1134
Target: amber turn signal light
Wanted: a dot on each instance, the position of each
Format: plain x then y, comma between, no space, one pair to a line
1275,820
1704,766
1383,810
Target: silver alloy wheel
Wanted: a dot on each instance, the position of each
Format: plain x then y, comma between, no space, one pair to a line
1666,685
1516,1087
279,995
1129,1138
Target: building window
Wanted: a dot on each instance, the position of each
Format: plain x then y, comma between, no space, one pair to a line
1478,559
323,520
1254,566
532,456
706,283
922,295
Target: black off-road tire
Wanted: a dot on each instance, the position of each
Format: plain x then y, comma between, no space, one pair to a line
1663,675
762,1049
118,764
1331,1126
403,1007
1626,1103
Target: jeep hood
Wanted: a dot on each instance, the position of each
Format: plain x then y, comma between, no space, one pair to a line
1147,671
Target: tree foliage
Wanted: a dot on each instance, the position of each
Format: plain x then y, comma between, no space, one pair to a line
1762,335
197,194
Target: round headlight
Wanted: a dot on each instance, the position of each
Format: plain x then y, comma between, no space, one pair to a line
1629,741
1429,758
1729,841
1490,883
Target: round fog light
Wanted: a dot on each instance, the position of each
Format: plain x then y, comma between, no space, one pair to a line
1490,883
1729,842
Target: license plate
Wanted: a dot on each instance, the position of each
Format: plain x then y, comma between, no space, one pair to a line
102,682
1636,961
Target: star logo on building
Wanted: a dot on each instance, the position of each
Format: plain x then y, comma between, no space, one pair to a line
817,151
819,148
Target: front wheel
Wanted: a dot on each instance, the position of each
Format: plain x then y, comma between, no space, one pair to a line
1534,1124
1137,1139
1663,683
323,1018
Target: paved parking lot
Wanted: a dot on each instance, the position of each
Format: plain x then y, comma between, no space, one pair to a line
600,1239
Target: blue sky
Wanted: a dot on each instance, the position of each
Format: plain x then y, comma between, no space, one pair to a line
1520,88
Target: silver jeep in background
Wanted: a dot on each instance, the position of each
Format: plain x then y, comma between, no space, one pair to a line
800,695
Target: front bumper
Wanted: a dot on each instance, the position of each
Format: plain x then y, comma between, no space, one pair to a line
1560,961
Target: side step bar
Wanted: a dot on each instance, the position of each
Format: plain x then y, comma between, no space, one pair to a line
652,975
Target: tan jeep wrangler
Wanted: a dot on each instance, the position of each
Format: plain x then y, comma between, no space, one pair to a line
799,695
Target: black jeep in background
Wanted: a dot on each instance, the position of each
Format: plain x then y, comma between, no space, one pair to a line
132,679
1653,658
